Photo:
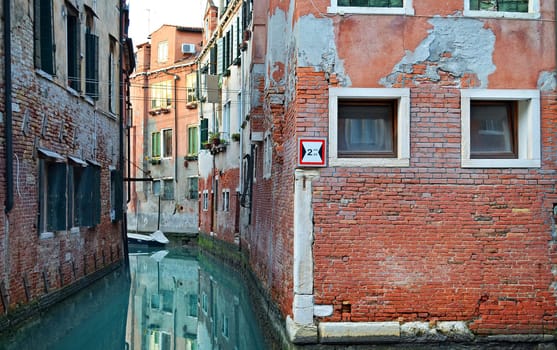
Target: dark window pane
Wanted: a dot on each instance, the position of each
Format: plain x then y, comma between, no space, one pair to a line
500,5
56,196
366,129
92,65
492,129
167,142
371,3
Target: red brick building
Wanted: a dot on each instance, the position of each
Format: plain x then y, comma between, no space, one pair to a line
433,217
62,108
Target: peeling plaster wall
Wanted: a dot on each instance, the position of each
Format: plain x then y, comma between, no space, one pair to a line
454,45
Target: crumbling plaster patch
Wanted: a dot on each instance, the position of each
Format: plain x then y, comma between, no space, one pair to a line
453,45
319,50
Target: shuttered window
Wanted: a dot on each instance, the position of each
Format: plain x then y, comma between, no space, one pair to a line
73,49
92,65
44,36
116,195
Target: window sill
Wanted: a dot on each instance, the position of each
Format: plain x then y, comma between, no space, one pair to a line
74,230
501,163
506,15
369,162
46,235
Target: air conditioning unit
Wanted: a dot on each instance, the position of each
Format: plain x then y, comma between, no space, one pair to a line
188,48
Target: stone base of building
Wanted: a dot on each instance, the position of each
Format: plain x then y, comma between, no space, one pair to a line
23,313
287,334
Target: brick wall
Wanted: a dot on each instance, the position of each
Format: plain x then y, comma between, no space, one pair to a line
46,114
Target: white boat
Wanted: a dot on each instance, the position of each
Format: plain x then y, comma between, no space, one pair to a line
155,238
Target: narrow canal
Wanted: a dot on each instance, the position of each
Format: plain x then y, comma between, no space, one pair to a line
172,299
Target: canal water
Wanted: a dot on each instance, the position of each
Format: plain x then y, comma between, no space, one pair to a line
172,299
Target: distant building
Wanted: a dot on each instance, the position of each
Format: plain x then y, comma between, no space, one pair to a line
62,107
399,178
224,97
164,133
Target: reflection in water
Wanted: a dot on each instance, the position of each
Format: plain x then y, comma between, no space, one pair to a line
176,300
184,302
93,319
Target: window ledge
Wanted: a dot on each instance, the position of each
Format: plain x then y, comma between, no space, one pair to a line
74,230
370,162
500,14
501,163
46,235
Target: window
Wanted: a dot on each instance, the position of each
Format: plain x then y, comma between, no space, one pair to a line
369,127
267,156
162,52
225,135
226,200
52,195
366,128
502,8
402,7
191,83
161,95
168,189
192,303
91,59
193,185
193,142
73,49
205,200
166,143
156,145
112,71
204,130
44,36
116,195
500,128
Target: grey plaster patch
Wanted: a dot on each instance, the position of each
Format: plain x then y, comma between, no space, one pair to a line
454,45
278,41
547,81
317,47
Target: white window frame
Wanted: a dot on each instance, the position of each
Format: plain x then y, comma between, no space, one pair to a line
533,12
163,143
205,199
267,155
162,51
226,200
406,9
529,131
402,96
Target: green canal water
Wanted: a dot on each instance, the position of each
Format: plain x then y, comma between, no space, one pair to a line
172,299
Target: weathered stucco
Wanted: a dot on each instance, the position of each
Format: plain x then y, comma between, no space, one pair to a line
454,45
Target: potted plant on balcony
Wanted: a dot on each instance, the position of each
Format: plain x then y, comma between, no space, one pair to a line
214,138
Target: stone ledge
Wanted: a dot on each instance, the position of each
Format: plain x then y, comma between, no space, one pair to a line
301,333
359,332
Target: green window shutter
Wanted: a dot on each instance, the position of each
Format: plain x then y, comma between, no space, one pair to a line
204,130
192,141
79,195
84,198
92,65
156,144
73,50
220,56
56,196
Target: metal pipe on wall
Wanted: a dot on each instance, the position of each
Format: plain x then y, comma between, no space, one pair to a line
9,203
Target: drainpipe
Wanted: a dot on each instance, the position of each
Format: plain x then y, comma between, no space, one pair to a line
9,203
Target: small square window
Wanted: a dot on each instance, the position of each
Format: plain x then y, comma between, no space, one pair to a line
500,128
493,129
366,128
369,127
